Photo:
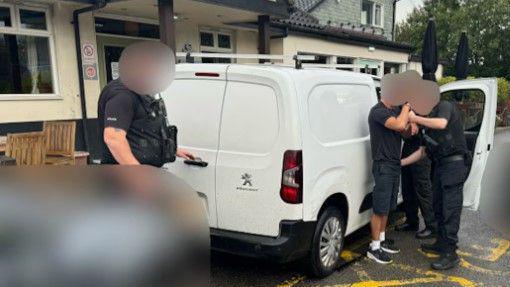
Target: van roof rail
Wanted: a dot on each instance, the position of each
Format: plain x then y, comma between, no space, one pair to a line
298,59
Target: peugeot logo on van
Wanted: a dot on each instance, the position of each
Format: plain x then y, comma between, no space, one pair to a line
246,179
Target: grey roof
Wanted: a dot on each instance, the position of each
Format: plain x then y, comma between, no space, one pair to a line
303,22
306,5
300,18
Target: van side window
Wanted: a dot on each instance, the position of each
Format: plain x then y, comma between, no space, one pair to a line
471,104
194,106
339,112
250,122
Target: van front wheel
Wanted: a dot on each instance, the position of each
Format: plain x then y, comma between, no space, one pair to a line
328,241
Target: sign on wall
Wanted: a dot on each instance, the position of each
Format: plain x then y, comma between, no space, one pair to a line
88,52
90,71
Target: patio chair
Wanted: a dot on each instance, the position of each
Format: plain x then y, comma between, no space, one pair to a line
60,139
26,148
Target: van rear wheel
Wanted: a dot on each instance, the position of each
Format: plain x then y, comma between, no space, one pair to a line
328,241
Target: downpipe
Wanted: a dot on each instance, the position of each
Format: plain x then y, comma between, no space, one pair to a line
77,38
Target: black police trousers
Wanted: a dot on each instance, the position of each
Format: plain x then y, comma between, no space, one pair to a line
417,193
448,186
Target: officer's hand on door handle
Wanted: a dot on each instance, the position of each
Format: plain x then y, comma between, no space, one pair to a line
182,153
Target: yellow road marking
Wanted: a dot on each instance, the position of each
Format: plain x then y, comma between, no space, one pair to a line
475,268
292,281
498,251
494,253
429,255
349,256
362,274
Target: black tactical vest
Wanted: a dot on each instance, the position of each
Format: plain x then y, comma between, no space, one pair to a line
152,140
448,142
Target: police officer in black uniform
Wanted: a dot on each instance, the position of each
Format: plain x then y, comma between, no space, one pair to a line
444,142
133,124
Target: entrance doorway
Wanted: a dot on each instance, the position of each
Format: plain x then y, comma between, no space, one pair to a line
112,57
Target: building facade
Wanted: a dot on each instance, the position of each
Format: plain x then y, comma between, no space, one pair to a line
40,69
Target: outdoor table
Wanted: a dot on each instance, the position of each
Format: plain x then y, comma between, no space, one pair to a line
81,157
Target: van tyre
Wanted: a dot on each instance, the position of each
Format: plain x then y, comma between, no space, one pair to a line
328,241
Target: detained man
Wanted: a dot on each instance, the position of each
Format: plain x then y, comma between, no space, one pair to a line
386,123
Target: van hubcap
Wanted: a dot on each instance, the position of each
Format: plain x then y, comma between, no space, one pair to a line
330,242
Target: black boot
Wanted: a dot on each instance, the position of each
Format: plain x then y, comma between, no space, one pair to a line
446,261
406,227
434,248
426,233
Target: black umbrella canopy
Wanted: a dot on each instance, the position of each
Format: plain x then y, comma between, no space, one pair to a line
429,52
462,59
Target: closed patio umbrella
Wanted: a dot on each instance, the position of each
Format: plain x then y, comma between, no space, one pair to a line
429,52
462,58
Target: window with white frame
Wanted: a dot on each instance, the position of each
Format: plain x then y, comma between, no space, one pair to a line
345,61
216,41
371,13
26,62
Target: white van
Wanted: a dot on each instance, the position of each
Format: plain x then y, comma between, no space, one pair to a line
286,162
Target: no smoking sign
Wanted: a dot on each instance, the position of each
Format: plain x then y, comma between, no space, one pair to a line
88,51
90,71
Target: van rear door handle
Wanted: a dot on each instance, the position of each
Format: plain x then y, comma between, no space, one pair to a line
197,162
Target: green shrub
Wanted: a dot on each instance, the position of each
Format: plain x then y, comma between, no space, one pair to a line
503,92
445,80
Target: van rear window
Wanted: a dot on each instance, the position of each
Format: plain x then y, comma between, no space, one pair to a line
250,122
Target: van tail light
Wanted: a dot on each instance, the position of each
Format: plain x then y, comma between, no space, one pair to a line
292,177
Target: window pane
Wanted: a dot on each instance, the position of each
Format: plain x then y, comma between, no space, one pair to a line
345,61
215,60
471,105
366,12
5,17
32,19
378,14
25,65
249,132
206,39
224,41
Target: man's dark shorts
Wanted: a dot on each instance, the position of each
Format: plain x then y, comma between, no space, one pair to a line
387,182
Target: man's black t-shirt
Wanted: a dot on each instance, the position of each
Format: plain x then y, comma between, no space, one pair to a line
451,140
117,108
386,144
411,144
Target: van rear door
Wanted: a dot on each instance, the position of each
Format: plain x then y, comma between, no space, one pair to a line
194,102
477,101
254,135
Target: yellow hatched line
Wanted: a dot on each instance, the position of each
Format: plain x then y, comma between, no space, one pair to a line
292,281
472,267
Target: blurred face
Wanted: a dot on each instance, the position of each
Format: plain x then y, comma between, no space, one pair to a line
425,97
147,68
397,89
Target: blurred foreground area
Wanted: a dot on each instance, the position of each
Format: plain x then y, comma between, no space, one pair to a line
100,226
495,196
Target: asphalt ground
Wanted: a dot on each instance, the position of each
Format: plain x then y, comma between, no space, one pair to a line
485,254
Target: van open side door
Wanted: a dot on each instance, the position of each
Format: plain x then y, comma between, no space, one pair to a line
477,101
